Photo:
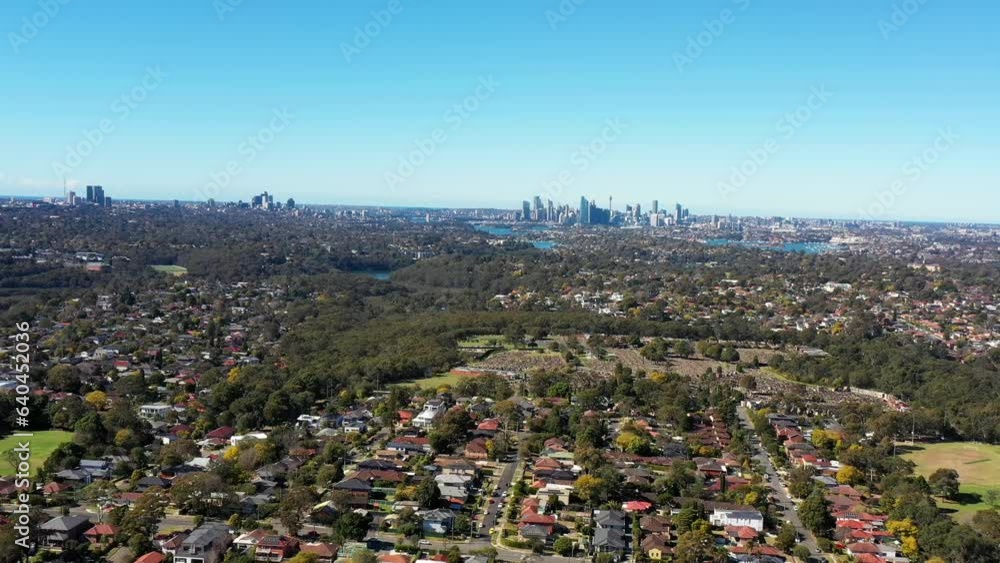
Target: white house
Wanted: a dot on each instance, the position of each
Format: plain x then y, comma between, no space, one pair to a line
157,411
749,518
433,410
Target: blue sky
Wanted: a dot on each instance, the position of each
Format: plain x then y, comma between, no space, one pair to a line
697,88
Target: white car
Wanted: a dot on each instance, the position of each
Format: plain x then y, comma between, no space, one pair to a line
424,542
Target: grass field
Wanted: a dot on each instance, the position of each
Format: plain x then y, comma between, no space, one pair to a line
42,446
485,341
172,270
434,382
978,467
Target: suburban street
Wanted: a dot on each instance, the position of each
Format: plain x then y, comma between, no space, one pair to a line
780,491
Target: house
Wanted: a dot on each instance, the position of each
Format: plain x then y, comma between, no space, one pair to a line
223,433
609,540
611,519
476,449
432,412
309,421
750,518
656,546
487,428
55,488
359,491
249,540
101,534
151,557
273,549
439,522
156,411
324,552
151,482
396,558
410,445
653,524
539,522
456,466
206,544
57,531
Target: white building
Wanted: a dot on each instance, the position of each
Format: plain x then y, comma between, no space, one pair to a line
749,518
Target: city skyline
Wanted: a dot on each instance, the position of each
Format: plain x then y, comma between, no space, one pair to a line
853,111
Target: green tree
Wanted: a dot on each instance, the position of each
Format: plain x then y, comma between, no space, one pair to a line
815,513
944,483
353,526
428,494
787,538
563,546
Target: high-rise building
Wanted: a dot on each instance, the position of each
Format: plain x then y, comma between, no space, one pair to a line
106,200
71,198
584,211
656,206
550,211
678,214
90,194
99,195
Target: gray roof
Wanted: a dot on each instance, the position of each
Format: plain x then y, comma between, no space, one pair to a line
206,535
65,523
607,537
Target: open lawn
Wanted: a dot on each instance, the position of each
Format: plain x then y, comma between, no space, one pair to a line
434,382
170,269
978,467
42,446
485,341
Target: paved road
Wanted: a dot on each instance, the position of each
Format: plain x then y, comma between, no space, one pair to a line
780,491
493,510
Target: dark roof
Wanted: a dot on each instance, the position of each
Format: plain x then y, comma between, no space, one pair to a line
353,485
66,523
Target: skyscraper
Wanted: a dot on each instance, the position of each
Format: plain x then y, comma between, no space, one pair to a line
656,206
584,211
525,210
677,214
99,195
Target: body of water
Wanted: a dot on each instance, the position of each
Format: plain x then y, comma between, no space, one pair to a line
382,275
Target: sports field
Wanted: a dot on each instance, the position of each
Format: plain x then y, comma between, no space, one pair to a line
42,446
434,382
170,269
978,467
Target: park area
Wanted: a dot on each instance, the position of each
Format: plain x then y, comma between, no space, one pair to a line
42,446
449,379
171,269
978,467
